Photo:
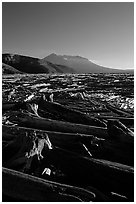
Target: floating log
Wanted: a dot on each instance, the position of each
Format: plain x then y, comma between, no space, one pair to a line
70,115
108,149
82,171
10,132
116,151
56,109
108,117
104,175
124,120
118,110
23,187
13,106
68,141
26,120
120,132
124,128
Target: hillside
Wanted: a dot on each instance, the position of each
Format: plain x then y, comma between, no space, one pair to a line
81,64
7,69
56,64
33,65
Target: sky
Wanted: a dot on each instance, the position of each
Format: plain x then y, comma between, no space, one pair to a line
100,31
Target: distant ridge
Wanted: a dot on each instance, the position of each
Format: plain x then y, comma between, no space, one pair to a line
54,63
33,65
83,65
7,69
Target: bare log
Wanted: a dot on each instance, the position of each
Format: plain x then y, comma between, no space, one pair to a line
10,132
125,120
24,187
109,149
69,114
116,151
13,106
118,110
58,126
120,132
72,142
104,175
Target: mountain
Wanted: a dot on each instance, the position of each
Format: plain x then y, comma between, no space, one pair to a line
56,64
82,65
33,65
7,69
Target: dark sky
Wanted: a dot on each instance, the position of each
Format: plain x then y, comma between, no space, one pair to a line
102,32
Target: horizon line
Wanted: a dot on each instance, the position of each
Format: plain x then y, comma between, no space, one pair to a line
93,61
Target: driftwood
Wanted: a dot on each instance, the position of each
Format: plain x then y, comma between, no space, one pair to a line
10,132
126,121
24,187
69,115
107,117
33,109
118,110
13,106
72,142
7,106
104,175
28,154
31,156
115,151
19,150
56,109
109,149
26,120
120,132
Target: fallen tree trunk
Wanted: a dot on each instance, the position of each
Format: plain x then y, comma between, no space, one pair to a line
120,132
72,142
82,171
118,111
13,106
26,120
124,120
108,117
108,149
116,151
24,187
104,175
69,114
56,109
10,132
